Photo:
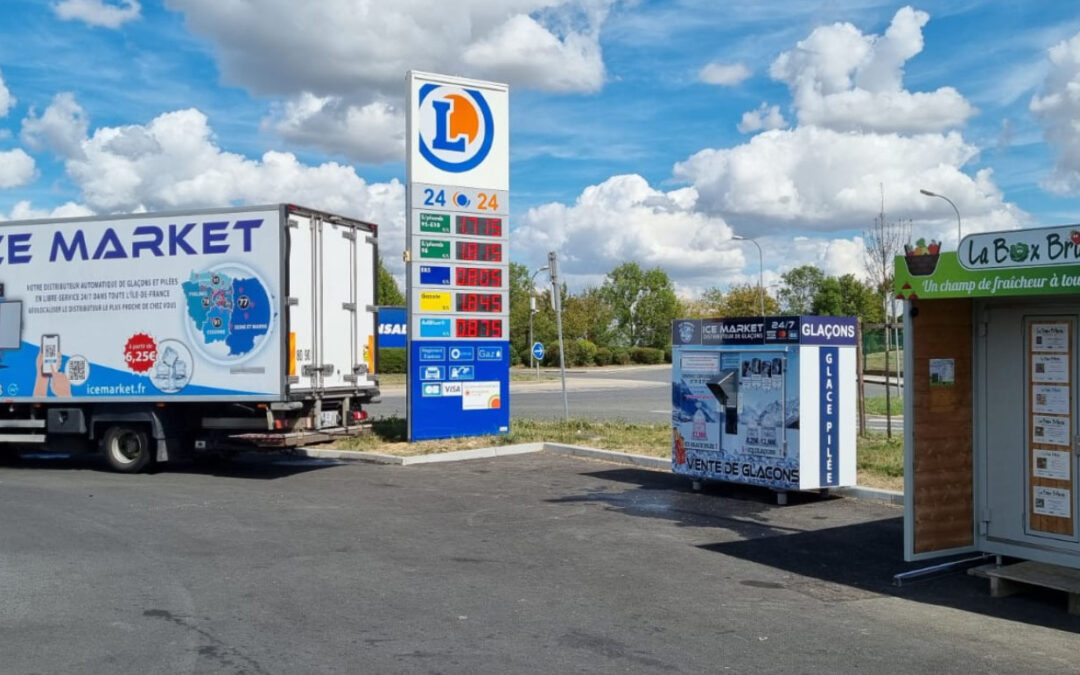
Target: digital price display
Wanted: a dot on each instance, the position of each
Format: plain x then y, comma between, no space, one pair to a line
487,277
478,226
479,302
478,328
471,250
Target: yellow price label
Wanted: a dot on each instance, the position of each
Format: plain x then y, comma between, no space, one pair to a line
434,302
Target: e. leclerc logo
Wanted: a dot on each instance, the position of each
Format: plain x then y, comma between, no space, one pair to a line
456,127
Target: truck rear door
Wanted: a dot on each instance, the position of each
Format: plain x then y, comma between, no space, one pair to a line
332,264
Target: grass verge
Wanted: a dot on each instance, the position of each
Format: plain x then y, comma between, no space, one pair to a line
875,362
880,460
389,437
875,405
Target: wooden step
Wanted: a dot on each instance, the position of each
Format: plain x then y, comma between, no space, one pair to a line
1010,579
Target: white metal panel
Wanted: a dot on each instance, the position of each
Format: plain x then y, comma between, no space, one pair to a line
367,323
849,421
301,301
339,309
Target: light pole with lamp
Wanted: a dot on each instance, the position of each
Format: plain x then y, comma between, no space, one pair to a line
934,194
761,269
532,311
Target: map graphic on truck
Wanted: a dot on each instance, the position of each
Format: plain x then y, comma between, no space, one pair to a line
229,306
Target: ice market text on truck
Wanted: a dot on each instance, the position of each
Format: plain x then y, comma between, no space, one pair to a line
152,335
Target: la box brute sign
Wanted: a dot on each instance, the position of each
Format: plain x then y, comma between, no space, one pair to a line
457,283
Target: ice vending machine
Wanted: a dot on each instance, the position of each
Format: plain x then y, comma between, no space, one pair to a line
765,401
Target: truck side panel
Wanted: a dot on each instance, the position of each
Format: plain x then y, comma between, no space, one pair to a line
180,307
302,317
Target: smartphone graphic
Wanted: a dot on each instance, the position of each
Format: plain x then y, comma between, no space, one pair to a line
50,354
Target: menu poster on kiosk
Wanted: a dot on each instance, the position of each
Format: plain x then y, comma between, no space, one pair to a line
1050,426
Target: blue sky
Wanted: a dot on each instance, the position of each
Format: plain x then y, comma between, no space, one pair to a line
648,131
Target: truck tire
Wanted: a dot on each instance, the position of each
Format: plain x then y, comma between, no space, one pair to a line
127,449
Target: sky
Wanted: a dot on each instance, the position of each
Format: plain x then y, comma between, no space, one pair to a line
640,130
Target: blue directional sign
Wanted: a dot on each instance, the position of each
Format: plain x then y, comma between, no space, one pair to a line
538,351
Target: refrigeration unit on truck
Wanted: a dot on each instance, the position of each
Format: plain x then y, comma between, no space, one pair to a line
150,335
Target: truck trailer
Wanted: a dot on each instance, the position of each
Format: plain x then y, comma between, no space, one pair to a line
152,335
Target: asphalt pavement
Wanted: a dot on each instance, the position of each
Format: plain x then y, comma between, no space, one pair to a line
527,564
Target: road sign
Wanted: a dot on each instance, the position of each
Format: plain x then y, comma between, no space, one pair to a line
538,351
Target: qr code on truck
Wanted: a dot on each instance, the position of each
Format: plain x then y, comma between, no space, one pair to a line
76,370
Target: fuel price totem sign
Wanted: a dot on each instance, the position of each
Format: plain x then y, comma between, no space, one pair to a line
458,278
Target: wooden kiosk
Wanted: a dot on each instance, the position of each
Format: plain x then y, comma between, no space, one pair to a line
991,396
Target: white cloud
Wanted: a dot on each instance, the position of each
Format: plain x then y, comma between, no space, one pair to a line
97,12
362,50
173,162
726,75
16,168
819,179
7,100
845,80
835,257
23,210
61,128
822,179
371,133
1058,109
764,118
624,219
523,51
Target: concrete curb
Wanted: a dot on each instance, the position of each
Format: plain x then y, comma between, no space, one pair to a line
460,455
874,494
644,461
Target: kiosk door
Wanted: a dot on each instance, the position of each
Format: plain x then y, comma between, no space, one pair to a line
1030,406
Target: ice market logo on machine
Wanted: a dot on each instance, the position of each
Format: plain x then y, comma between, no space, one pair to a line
456,127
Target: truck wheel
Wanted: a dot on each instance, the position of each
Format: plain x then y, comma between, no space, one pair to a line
127,450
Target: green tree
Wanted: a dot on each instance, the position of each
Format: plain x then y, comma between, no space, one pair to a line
643,304
745,300
799,286
390,294
588,316
847,296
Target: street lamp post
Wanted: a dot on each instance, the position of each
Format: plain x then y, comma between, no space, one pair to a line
934,194
532,311
761,268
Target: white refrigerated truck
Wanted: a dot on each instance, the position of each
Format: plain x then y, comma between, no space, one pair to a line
149,335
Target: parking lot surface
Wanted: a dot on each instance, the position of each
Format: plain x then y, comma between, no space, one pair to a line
532,563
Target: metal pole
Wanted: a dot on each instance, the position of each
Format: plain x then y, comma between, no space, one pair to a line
532,312
959,236
553,265
761,270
